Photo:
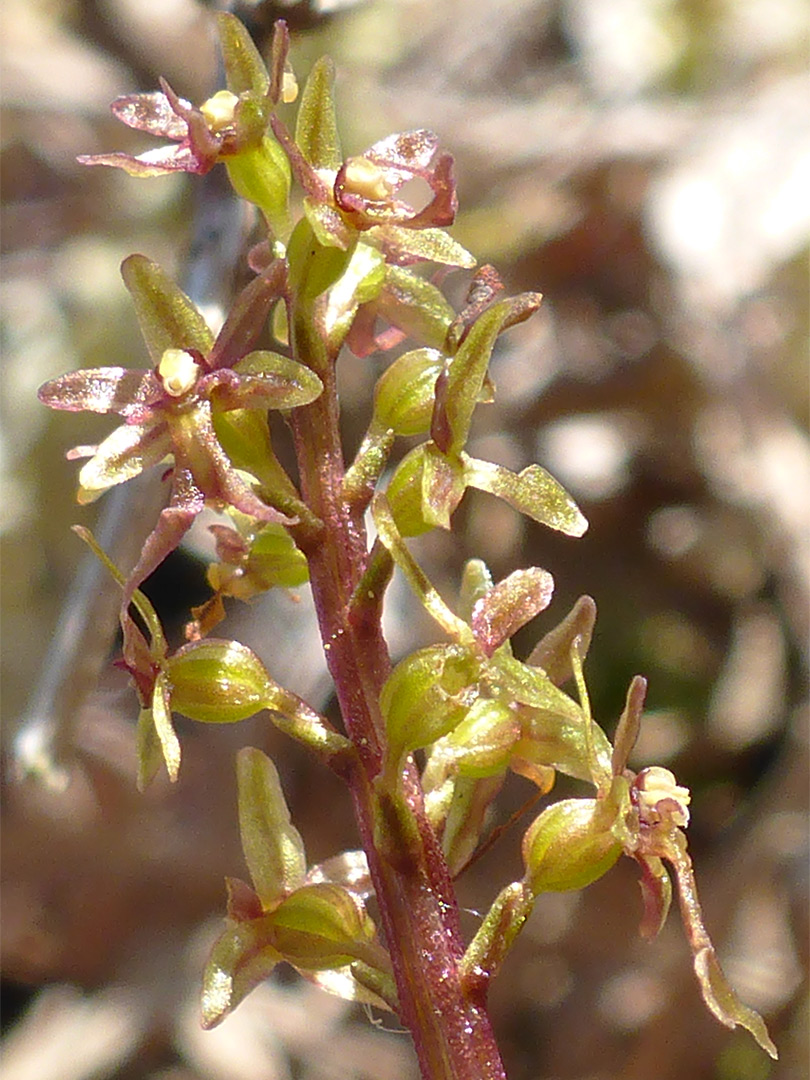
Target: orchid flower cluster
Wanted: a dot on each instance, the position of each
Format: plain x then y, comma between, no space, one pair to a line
426,744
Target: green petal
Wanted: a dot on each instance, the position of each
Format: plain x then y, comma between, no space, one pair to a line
316,128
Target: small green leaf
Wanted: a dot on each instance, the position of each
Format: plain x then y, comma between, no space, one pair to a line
274,850
244,67
316,127
218,682
533,492
167,318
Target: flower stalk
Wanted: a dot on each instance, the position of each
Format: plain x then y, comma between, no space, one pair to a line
472,710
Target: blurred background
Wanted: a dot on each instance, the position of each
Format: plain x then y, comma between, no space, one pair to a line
643,163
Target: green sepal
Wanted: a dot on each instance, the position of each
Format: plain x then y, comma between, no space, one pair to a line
282,382
273,848
533,492
461,390
531,686
322,926
404,494
148,750
476,581
329,227
495,937
465,817
316,129
274,559
391,538
573,842
218,682
242,957
415,306
360,283
261,174
313,268
244,67
362,476
166,316
162,705
426,696
433,245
